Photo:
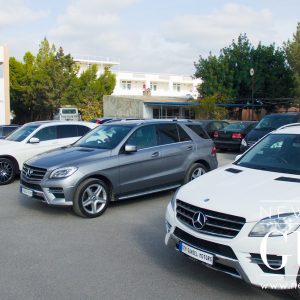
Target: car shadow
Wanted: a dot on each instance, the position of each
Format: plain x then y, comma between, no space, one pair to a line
179,266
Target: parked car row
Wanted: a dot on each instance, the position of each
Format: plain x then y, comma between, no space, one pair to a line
241,233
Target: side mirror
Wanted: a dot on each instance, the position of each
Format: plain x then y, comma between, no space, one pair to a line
34,140
130,148
238,157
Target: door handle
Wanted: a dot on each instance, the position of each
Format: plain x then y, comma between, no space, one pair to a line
155,154
189,148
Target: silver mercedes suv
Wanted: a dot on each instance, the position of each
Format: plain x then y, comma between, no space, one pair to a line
119,161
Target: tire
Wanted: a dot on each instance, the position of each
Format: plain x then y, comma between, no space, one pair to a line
194,171
91,198
7,171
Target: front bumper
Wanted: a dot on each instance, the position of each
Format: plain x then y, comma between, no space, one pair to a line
53,192
240,256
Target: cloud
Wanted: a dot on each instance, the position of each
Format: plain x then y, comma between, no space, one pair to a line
97,27
216,30
16,13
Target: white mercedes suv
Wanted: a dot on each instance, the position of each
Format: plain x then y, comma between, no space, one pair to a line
35,138
243,219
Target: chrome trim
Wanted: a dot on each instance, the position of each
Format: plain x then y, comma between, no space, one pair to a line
148,192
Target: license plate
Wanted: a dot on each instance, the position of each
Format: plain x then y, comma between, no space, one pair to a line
27,192
197,254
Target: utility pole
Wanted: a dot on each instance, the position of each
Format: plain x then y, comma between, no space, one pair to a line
252,93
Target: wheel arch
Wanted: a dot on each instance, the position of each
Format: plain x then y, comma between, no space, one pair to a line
104,179
203,162
16,164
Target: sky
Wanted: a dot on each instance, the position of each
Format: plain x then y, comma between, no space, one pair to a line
165,36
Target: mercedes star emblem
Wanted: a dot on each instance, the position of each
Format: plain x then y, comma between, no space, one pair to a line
199,220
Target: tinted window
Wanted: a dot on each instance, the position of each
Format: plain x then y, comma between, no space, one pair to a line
82,130
168,134
144,137
47,133
67,131
1,131
199,131
22,133
8,130
236,126
183,136
216,126
276,121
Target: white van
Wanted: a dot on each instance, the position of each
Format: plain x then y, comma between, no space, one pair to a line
67,114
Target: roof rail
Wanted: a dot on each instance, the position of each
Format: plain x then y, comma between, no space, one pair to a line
288,125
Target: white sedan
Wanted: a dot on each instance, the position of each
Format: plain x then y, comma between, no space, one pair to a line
35,138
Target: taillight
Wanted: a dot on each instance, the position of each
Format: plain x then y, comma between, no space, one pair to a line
216,134
237,136
214,150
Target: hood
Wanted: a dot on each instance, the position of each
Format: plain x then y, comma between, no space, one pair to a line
5,144
252,194
256,134
66,156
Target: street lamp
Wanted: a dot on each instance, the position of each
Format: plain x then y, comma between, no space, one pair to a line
252,93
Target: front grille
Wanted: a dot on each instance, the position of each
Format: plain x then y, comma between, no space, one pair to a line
216,224
208,246
33,173
31,186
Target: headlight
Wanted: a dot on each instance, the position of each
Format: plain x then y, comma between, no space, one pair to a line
63,172
277,225
173,200
244,143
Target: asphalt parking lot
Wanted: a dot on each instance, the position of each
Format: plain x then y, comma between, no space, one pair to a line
49,253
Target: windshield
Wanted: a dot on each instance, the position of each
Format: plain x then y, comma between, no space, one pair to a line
22,133
236,126
104,137
69,111
275,121
276,153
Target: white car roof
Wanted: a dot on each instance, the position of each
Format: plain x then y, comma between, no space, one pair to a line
47,123
289,129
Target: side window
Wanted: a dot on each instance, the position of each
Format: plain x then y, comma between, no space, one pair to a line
67,131
1,131
183,136
82,130
199,131
47,133
7,130
167,134
143,137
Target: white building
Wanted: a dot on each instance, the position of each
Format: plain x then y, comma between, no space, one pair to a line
138,84
4,87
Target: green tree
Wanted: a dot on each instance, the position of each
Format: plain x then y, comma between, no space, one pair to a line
41,84
228,73
292,49
91,90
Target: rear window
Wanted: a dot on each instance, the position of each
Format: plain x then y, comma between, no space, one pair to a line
236,126
199,131
276,121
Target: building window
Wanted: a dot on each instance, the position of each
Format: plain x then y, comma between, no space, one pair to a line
126,85
153,86
176,87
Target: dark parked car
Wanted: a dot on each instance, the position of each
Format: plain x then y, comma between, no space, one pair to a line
101,120
266,125
117,161
6,130
230,137
212,125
